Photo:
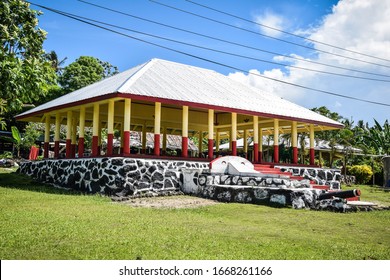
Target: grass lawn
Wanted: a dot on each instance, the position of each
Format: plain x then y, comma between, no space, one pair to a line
40,222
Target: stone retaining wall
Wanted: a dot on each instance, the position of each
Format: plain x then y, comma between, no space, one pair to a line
321,176
111,176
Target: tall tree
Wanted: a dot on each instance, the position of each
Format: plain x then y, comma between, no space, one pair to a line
85,71
25,74
56,64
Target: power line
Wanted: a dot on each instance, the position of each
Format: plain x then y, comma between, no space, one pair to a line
232,43
223,52
283,31
264,35
206,59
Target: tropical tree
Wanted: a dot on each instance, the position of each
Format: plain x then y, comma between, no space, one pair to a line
2,111
24,72
56,64
85,71
378,137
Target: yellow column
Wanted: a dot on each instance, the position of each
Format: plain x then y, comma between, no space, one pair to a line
312,155
100,137
294,141
246,143
255,138
69,134
57,136
217,140
81,132
164,143
46,145
276,140
211,134
157,128
126,126
144,139
74,136
95,129
234,134
200,143
184,132
110,127
260,145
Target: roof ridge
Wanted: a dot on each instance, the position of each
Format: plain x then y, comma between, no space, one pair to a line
136,75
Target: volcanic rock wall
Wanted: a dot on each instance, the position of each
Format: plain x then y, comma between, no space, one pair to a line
321,176
111,176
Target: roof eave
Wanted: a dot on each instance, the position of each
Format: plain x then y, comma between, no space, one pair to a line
27,115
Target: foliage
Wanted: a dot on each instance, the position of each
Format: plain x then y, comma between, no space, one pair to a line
42,222
24,72
2,111
6,155
30,135
378,137
17,138
85,71
26,140
363,173
56,64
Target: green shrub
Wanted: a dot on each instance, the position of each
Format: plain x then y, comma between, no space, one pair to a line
6,155
362,173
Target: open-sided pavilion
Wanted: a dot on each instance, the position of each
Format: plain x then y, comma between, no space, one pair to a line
165,98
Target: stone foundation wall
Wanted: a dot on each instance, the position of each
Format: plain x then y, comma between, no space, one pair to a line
271,190
111,176
321,176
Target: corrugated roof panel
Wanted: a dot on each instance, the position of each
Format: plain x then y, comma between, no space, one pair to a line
179,82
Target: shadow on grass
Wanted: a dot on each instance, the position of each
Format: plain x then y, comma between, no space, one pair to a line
15,180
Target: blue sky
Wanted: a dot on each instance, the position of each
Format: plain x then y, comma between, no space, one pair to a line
355,25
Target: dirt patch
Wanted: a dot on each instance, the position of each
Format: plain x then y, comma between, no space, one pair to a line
169,202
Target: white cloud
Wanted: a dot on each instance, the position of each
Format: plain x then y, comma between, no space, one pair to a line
271,19
357,25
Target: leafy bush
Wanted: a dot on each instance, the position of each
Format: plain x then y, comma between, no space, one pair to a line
362,173
6,155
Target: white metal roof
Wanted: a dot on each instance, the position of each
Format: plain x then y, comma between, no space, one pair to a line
184,83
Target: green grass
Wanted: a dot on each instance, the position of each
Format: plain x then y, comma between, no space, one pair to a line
40,222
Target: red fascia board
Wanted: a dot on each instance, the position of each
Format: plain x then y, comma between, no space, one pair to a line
173,102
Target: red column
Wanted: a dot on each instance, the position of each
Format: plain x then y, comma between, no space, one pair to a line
68,148
295,155
74,150
56,149
312,156
126,142
156,144
110,141
184,146
276,153
260,156
81,147
95,148
256,152
234,148
210,149
46,148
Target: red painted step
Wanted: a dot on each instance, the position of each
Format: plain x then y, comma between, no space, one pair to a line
355,198
320,187
299,178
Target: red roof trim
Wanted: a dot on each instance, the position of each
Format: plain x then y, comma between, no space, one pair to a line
173,102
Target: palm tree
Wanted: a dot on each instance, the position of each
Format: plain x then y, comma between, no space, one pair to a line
56,64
